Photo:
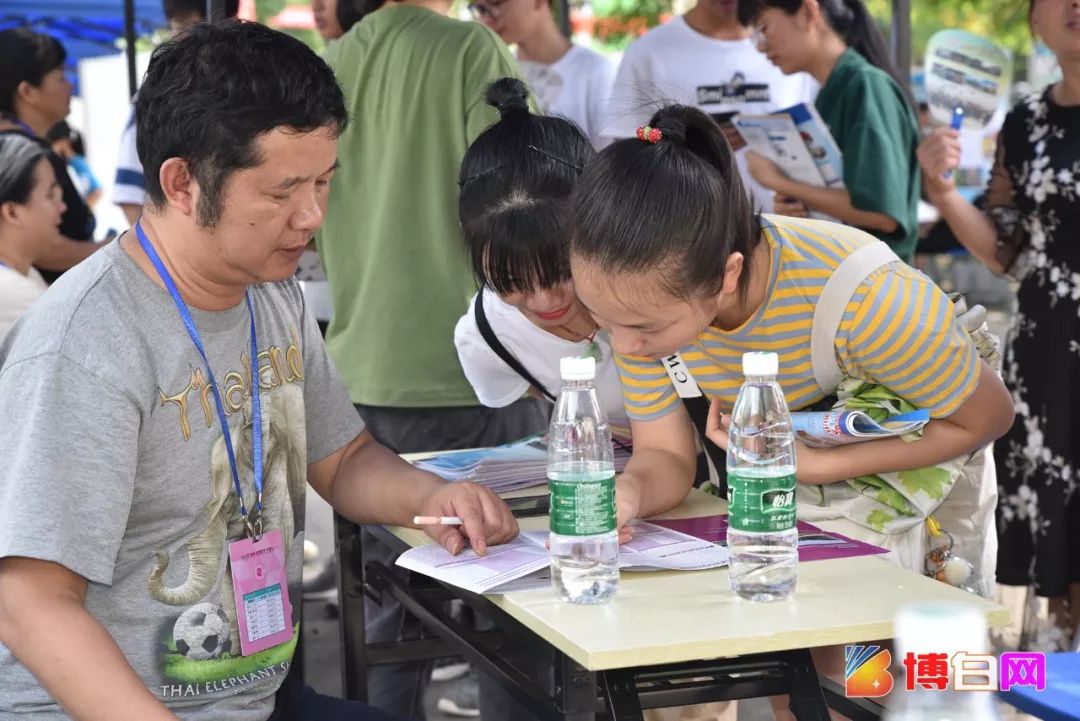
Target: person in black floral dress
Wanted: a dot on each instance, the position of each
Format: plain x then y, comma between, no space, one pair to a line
1030,231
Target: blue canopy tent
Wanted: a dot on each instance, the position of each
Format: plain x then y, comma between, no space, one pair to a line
87,28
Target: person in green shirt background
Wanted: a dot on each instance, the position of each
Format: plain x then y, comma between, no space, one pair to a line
399,272
864,103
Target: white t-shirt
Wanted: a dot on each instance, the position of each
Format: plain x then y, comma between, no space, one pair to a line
575,87
17,293
130,185
673,63
497,385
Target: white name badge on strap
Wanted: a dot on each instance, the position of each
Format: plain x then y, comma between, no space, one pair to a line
684,382
261,588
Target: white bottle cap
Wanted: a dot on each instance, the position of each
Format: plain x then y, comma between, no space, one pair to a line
578,368
760,364
941,628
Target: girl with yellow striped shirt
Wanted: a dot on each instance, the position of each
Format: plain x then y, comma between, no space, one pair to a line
668,255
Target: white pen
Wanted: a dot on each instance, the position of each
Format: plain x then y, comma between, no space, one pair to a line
436,521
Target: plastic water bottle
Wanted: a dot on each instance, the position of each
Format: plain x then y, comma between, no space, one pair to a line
584,542
949,629
762,538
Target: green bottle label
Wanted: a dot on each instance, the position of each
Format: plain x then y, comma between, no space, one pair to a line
582,508
761,504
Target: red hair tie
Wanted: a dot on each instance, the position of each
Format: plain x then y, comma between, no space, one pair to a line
649,134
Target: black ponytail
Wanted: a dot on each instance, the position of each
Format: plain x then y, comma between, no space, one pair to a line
851,21
516,180
508,96
863,34
677,206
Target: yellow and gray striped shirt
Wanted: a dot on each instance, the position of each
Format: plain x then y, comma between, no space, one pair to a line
899,330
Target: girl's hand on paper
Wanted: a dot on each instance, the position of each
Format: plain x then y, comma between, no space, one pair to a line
627,507
764,171
486,519
786,205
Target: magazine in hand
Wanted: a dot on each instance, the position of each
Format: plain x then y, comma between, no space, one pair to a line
819,143
838,428
800,144
777,138
523,564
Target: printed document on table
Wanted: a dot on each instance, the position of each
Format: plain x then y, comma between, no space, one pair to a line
523,564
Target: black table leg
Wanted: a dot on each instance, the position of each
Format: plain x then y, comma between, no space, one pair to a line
350,555
623,702
855,709
576,692
807,701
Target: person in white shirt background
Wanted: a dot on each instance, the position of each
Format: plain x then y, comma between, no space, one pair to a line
516,181
706,59
567,80
129,188
31,205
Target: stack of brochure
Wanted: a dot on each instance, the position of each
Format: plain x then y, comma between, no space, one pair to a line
522,464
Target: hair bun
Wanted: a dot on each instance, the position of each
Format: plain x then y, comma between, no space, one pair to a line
508,95
673,128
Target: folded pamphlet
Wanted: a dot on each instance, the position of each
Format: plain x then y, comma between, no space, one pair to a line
838,428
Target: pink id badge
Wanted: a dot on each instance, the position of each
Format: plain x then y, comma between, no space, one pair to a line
261,588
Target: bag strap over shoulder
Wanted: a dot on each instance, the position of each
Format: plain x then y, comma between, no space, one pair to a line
697,407
500,350
829,311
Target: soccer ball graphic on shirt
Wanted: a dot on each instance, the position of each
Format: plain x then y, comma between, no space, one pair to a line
202,633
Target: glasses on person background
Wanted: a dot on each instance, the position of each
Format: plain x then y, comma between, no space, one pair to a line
488,9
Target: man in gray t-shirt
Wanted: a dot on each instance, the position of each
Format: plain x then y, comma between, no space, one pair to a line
117,498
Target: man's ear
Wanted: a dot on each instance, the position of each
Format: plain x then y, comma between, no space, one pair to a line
179,186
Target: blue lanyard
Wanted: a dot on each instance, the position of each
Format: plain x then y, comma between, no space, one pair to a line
254,528
26,128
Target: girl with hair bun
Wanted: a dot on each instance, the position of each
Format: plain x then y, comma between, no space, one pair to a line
669,257
516,180
864,103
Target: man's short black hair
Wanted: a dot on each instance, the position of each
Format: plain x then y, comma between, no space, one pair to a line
25,56
185,8
210,93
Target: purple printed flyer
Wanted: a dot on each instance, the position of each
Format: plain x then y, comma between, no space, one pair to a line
815,544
